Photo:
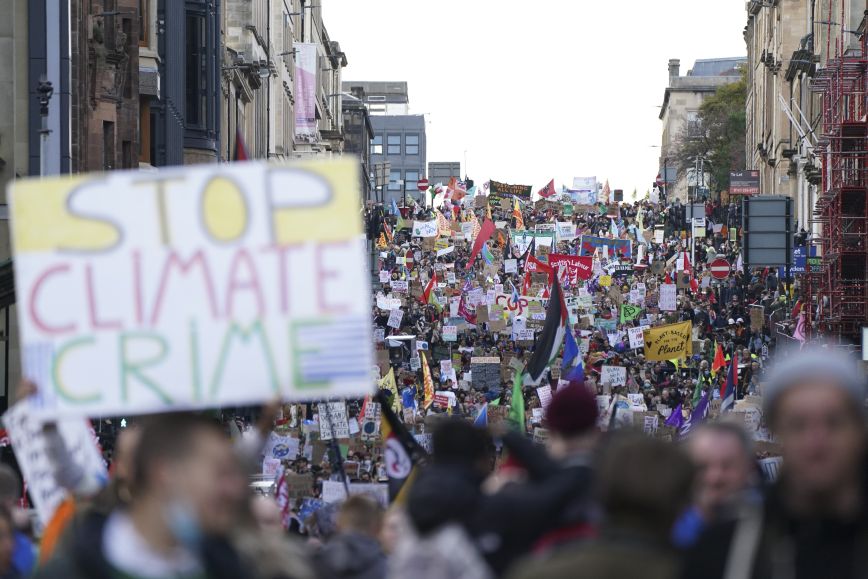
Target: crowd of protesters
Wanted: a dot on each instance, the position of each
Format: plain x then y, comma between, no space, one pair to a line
654,476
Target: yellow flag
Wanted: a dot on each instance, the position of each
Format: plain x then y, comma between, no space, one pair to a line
428,383
387,382
673,341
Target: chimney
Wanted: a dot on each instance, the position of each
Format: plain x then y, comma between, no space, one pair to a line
674,68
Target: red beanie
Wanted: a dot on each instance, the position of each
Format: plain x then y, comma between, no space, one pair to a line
572,411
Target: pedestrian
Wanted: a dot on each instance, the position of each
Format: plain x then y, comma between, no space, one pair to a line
187,489
814,520
643,484
354,551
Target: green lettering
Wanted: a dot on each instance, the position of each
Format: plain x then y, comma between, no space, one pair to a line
134,368
59,386
245,334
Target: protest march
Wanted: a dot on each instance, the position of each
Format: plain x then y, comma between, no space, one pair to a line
488,382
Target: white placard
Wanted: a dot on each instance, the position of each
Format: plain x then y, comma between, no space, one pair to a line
400,286
425,228
29,442
385,276
668,293
510,266
333,420
450,333
192,287
636,337
395,317
545,395
613,375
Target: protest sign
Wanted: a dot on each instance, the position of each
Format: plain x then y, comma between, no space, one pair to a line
270,467
613,375
194,287
333,420
280,447
636,337
668,294
577,267
498,190
544,393
485,372
510,265
425,228
566,230
385,276
399,286
334,491
670,342
615,247
450,333
395,317
756,318
33,448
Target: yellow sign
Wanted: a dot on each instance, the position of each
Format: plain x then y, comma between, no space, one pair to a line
605,280
670,342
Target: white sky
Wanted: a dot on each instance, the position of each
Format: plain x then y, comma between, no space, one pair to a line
536,90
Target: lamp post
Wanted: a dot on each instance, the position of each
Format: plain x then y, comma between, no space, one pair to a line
44,90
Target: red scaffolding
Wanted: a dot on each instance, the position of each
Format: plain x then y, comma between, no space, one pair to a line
837,293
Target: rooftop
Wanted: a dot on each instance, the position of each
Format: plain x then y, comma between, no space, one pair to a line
717,66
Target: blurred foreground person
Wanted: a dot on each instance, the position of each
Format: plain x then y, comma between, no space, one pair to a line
642,484
442,505
23,551
187,490
354,551
814,522
7,546
723,455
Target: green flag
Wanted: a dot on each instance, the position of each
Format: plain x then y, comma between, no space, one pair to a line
629,312
697,393
516,405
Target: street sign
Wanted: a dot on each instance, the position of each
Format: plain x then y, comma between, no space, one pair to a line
422,184
720,268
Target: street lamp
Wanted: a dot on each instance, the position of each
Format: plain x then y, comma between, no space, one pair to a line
44,91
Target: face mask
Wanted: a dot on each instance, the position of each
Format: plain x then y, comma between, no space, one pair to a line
183,525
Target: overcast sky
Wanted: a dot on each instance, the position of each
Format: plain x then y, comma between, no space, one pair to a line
536,90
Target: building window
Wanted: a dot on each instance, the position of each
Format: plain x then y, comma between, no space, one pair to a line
694,125
374,109
144,18
394,145
394,180
108,145
377,145
411,144
196,71
410,180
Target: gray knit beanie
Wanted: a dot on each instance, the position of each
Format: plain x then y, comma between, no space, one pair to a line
827,365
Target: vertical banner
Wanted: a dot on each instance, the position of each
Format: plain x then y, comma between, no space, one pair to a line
305,92
192,287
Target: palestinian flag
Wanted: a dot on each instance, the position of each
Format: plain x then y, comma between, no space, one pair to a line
552,336
401,453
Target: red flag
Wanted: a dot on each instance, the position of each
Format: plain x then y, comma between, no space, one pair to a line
465,313
533,265
526,286
548,190
485,232
719,360
426,293
240,152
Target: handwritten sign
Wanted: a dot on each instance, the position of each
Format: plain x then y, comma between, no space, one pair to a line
613,375
395,317
333,420
399,286
668,292
192,287
450,333
425,228
636,337
30,444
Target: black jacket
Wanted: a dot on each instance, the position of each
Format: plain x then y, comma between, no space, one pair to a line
789,547
82,557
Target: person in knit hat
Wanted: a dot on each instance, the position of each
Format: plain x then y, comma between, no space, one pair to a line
571,418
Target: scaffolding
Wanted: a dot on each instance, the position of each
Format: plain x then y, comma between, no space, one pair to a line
836,289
